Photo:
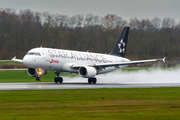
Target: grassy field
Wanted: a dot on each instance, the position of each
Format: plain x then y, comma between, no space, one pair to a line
90,104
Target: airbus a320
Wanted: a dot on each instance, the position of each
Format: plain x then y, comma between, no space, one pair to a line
86,64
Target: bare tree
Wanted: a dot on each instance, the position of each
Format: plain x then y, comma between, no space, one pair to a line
156,22
168,23
62,20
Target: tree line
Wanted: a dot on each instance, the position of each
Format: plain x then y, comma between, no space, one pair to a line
148,38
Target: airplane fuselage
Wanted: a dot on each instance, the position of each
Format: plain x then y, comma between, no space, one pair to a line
61,60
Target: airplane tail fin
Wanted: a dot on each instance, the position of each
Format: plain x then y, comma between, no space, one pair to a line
121,44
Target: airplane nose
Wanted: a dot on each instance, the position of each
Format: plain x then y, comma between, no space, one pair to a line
27,60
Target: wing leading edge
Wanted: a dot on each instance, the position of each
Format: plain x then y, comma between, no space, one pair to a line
120,63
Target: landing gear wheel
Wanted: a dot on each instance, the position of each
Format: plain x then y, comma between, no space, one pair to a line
60,79
56,79
89,80
38,79
92,80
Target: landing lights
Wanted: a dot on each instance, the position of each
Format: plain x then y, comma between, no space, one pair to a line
40,73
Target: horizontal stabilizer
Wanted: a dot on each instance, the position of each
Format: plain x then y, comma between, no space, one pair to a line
16,60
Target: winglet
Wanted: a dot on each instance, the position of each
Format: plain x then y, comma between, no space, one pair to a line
164,59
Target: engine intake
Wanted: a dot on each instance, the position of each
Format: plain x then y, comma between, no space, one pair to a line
87,72
32,72
36,72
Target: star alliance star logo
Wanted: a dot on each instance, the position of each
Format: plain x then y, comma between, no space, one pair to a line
121,46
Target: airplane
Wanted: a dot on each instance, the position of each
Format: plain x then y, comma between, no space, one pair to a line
86,64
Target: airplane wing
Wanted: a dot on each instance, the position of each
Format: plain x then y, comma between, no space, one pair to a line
120,63
16,60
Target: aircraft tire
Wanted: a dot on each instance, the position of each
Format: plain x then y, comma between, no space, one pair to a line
38,79
56,79
60,80
94,80
89,80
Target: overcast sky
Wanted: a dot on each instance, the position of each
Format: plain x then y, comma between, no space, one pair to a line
126,9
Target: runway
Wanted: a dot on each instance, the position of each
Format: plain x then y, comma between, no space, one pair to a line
137,79
80,85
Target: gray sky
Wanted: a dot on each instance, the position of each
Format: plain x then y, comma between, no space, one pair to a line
124,8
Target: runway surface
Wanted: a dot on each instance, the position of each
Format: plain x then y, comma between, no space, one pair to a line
51,85
137,79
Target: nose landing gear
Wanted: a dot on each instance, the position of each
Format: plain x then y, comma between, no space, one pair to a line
38,78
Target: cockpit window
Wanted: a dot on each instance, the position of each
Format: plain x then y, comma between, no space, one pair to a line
33,53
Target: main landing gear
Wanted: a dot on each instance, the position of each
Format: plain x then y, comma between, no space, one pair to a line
92,80
58,79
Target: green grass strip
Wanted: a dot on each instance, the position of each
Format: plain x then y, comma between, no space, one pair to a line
14,76
90,104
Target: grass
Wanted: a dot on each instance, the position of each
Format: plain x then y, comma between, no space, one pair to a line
100,104
14,76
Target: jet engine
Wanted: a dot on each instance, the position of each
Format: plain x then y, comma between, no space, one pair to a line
87,72
36,72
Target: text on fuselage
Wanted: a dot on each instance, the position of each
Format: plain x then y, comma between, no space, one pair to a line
77,56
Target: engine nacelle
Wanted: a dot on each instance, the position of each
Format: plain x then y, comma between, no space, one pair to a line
87,72
36,72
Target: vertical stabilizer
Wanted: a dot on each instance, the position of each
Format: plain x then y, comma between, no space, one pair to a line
121,44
